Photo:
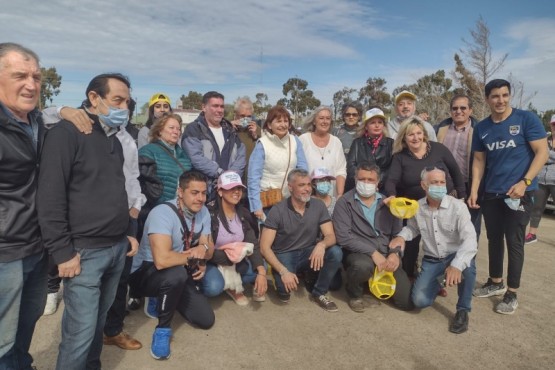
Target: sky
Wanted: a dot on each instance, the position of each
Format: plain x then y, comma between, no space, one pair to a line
243,47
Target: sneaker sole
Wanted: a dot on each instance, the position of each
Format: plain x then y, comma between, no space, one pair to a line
531,241
492,294
159,357
508,313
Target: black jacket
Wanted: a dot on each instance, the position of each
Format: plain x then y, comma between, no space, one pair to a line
81,201
19,227
362,152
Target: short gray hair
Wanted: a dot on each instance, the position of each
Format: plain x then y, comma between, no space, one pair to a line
8,47
427,170
245,100
296,172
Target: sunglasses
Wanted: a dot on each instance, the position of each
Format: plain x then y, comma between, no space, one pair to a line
432,168
454,109
351,114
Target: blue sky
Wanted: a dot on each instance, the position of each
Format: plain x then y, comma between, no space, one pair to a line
243,47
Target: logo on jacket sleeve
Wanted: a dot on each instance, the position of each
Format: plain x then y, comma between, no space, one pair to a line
514,130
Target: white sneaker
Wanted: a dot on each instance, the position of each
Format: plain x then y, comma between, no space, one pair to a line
51,304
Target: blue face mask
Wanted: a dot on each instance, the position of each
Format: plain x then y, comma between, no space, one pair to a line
115,117
437,192
513,204
323,188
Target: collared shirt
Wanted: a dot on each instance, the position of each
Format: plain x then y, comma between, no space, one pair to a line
369,212
31,128
456,140
445,230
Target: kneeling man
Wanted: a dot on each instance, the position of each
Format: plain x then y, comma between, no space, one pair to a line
175,245
363,228
449,242
289,241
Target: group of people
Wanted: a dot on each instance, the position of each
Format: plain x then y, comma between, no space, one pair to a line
182,217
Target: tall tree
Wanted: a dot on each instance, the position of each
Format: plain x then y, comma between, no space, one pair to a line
374,94
261,106
193,100
341,97
297,97
434,93
49,86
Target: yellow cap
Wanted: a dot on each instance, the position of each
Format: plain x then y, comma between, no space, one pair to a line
403,207
158,97
382,284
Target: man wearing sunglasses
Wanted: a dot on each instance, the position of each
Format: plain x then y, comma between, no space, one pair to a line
456,134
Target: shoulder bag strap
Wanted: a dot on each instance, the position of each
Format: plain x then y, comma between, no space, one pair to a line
172,156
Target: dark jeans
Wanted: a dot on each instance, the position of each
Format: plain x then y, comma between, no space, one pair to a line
176,291
411,257
360,267
504,223
297,261
540,200
22,299
116,313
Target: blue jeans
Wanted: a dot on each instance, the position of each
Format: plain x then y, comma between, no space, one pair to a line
87,298
212,284
426,286
23,296
297,261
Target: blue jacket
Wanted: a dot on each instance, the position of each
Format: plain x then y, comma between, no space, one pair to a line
200,144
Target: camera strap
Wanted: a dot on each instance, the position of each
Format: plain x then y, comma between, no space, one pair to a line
187,235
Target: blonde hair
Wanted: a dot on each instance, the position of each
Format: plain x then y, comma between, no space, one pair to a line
158,125
362,129
407,126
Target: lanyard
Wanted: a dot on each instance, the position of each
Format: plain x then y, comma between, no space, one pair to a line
187,234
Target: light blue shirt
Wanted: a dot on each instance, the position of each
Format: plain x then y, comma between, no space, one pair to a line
163,220
369,212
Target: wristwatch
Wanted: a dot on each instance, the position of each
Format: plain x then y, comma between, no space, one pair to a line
396,250
528,182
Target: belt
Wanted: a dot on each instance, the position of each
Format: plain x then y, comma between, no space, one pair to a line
434,258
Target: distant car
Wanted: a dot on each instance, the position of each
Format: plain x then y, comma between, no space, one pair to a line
550,206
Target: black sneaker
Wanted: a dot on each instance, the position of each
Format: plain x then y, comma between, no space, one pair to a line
460,322
530,238
284,297
508,305
324,302
134,304
490,289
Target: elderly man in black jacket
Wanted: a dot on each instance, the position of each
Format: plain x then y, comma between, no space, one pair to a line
23,263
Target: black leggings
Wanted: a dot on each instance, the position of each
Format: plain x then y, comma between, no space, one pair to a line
175,290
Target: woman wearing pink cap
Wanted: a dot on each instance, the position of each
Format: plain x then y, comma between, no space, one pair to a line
233,227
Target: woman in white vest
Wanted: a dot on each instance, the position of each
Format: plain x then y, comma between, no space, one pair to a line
323,150
275,154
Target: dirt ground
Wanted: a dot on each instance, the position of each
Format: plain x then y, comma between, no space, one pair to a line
272,335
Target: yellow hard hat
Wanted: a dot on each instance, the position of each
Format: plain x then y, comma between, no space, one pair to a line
382,284
159,97
403,207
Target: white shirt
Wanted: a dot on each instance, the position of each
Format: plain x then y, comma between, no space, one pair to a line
219,136
445,230
331,157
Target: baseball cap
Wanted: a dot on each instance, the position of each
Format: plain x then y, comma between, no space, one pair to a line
321,173
403,207
229,180
404,94
374,112
158,97
382,284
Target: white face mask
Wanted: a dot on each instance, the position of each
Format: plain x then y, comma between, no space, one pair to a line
365,190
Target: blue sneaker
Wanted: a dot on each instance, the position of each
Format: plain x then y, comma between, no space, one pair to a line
150,307
160,348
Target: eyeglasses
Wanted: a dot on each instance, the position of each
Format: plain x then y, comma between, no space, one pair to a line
351,114
454,109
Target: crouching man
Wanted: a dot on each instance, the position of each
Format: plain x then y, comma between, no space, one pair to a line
449,242
289,241
363,227
175,245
